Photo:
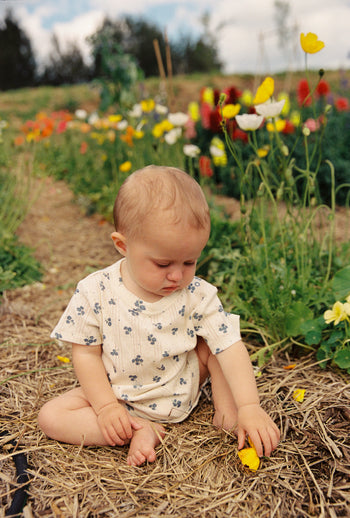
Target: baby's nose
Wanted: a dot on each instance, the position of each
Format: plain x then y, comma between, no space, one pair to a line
175,275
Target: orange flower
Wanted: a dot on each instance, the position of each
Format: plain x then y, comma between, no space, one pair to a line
83,148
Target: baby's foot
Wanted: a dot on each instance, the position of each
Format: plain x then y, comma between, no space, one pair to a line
143,443
226,420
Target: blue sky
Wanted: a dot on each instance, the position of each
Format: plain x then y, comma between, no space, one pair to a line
245,31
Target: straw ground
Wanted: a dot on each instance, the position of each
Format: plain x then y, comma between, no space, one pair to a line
197,472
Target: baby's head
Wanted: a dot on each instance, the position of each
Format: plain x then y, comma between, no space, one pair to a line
156,194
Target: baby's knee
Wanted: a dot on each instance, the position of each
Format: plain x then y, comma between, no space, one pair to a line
47,418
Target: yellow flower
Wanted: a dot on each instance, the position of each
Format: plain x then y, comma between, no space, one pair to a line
148,105
139,134
63,359
310,43
208,96
264,91
278,125
115,118
247,98
230,110
295,118
263,151
283,96
249,458
298,395
193,110
125,167
337,314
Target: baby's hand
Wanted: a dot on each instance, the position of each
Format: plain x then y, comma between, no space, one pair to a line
264,434
116,424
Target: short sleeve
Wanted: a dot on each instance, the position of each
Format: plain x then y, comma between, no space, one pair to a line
81,321
219,328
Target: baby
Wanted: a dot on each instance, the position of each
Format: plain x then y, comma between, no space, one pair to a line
146,332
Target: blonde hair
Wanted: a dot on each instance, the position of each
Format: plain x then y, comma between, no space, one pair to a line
158,188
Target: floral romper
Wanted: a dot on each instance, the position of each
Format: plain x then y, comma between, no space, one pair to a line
148,347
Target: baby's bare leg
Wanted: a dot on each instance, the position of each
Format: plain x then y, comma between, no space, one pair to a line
70,418
225,415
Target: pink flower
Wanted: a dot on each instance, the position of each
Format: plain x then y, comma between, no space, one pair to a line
312,124
61,127
190,129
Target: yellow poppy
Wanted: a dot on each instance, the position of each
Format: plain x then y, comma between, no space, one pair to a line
298,395
336,314
230,110
264,91
278,125
310,43
249,458
125,167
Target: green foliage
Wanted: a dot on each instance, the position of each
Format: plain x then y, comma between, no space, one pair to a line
118,71
332,339
17,264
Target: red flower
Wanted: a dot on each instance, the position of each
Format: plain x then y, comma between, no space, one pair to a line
205,110
233,95
214,120
342,104
323,88
304,98
239,134
205,166
289,128
61,127
217,94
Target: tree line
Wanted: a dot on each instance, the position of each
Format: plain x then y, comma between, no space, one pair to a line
128,37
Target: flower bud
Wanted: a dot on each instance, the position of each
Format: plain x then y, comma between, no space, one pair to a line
306,131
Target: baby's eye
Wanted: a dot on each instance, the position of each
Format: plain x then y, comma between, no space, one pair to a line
162,265
190,263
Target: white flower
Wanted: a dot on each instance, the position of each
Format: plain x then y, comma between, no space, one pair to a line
122,125
216,151
172,136
93,118
81,114
191,150
178,118
136,111
161,109
249,122
270,109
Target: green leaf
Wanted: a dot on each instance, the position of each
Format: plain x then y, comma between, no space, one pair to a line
341,283
296,315
342,358
313,337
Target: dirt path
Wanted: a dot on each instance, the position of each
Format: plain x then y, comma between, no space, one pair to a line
69,245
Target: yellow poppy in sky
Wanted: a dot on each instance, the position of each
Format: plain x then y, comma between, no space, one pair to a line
310,43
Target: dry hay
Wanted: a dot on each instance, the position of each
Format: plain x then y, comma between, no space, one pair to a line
197,471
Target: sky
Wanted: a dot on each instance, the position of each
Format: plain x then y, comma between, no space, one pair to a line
246,31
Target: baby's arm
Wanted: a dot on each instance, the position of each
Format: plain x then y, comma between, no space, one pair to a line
115,422
252,419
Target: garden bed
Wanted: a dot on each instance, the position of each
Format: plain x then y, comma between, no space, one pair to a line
197,472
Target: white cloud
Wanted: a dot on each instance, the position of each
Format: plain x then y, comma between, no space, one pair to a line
238,41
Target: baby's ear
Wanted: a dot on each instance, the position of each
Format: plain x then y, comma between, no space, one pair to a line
119,242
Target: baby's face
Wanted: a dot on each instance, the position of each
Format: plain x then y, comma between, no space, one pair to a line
163,260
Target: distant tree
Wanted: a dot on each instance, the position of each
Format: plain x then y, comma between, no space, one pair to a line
65,67
136,35
115,70
17,61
